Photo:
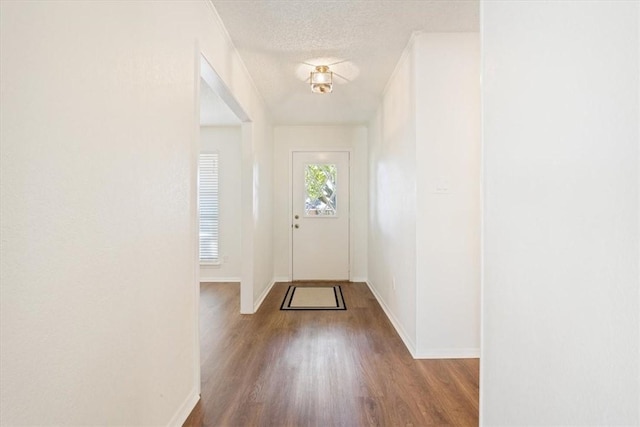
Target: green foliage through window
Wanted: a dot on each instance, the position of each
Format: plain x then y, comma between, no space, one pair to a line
320,183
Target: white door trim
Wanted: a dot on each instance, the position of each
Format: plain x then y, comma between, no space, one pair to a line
290,201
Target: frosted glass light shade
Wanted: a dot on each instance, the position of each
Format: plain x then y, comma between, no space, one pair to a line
321,80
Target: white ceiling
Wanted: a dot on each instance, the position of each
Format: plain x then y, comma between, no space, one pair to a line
275,37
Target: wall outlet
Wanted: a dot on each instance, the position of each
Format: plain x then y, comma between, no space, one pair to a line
393,283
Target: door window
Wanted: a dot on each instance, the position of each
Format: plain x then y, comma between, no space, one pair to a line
320,190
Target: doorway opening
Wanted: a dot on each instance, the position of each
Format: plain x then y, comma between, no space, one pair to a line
223,131
219,190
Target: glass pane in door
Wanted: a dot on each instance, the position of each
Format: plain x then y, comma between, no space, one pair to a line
320,190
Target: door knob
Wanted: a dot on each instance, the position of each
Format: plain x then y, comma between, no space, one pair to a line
296,226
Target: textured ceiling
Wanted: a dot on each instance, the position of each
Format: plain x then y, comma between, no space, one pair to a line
275,38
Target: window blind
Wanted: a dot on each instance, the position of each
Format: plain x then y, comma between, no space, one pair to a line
208,207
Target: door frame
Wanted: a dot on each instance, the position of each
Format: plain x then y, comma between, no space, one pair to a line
206,71
290,200
203,69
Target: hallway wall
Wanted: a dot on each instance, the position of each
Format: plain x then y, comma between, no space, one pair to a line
447,70
258,172
561,215
392,201
424,222
98,271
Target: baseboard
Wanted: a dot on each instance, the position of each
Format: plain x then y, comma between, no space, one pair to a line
359,279
258,303
394,321
448,353
219,279
185,409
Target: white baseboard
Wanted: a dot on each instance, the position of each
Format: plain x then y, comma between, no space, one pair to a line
260,300
394,321
219,279
437,353
448,353
185,409
359,279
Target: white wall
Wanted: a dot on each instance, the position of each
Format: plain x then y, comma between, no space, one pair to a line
447,67
290,138
424,220
392,201
561,307
227,142
98,167
262,211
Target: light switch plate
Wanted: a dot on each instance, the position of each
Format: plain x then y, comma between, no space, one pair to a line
442,185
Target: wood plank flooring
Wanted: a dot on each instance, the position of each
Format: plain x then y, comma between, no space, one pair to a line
321,368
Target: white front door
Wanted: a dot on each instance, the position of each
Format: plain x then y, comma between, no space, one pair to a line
320,215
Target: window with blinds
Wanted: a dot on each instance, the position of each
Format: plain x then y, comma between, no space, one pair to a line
208,207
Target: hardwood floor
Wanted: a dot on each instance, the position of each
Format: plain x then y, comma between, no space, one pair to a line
321,368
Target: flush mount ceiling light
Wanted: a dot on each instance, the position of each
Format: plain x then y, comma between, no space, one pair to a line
321,80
